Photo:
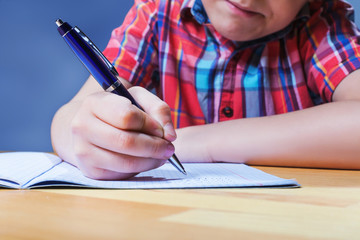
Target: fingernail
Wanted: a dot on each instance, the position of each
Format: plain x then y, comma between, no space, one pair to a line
159,132
169,132
170,149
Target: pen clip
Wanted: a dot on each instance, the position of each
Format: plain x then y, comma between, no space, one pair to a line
97,51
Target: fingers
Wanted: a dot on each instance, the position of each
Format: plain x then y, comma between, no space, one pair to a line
102,164
125,142
157,109
119,112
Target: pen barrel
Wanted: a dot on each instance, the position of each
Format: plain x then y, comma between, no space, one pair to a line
94,64
122,91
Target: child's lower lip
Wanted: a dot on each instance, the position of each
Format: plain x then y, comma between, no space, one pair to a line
239,11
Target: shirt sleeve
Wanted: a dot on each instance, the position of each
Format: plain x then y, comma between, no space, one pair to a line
132,48
329,46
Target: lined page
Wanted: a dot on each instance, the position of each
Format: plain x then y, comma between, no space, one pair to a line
18,168
199,175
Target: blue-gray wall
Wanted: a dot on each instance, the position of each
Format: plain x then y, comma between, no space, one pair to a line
38,72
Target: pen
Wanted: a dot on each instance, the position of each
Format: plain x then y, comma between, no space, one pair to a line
100,68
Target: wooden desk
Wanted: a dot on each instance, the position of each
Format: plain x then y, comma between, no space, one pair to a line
326,207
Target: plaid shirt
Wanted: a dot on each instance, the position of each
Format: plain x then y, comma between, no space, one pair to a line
171,48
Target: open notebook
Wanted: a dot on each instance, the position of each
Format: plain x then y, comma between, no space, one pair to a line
36,169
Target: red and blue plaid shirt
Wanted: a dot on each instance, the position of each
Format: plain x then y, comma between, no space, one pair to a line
171,48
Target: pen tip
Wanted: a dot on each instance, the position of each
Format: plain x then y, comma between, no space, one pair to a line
177,164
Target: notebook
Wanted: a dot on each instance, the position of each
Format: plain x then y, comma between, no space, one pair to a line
26,170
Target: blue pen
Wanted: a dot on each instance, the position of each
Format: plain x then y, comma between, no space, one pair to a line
99,67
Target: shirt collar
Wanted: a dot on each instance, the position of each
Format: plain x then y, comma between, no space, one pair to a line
194,9
199,13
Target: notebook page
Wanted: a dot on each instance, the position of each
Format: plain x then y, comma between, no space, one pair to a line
21,167
200,175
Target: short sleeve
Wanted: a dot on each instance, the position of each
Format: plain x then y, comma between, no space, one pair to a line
132,48
329,45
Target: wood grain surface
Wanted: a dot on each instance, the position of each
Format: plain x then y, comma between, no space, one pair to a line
327,206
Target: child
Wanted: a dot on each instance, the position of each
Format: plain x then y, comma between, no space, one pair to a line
231,76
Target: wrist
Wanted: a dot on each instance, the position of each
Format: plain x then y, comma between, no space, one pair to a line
192,144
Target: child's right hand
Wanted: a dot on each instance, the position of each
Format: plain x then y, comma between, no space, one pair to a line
110,138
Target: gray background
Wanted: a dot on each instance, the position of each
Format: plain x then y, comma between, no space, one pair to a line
38,72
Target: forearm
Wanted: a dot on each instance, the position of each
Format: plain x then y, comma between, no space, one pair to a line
324,136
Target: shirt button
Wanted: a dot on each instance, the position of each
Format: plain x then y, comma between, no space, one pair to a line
228,112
